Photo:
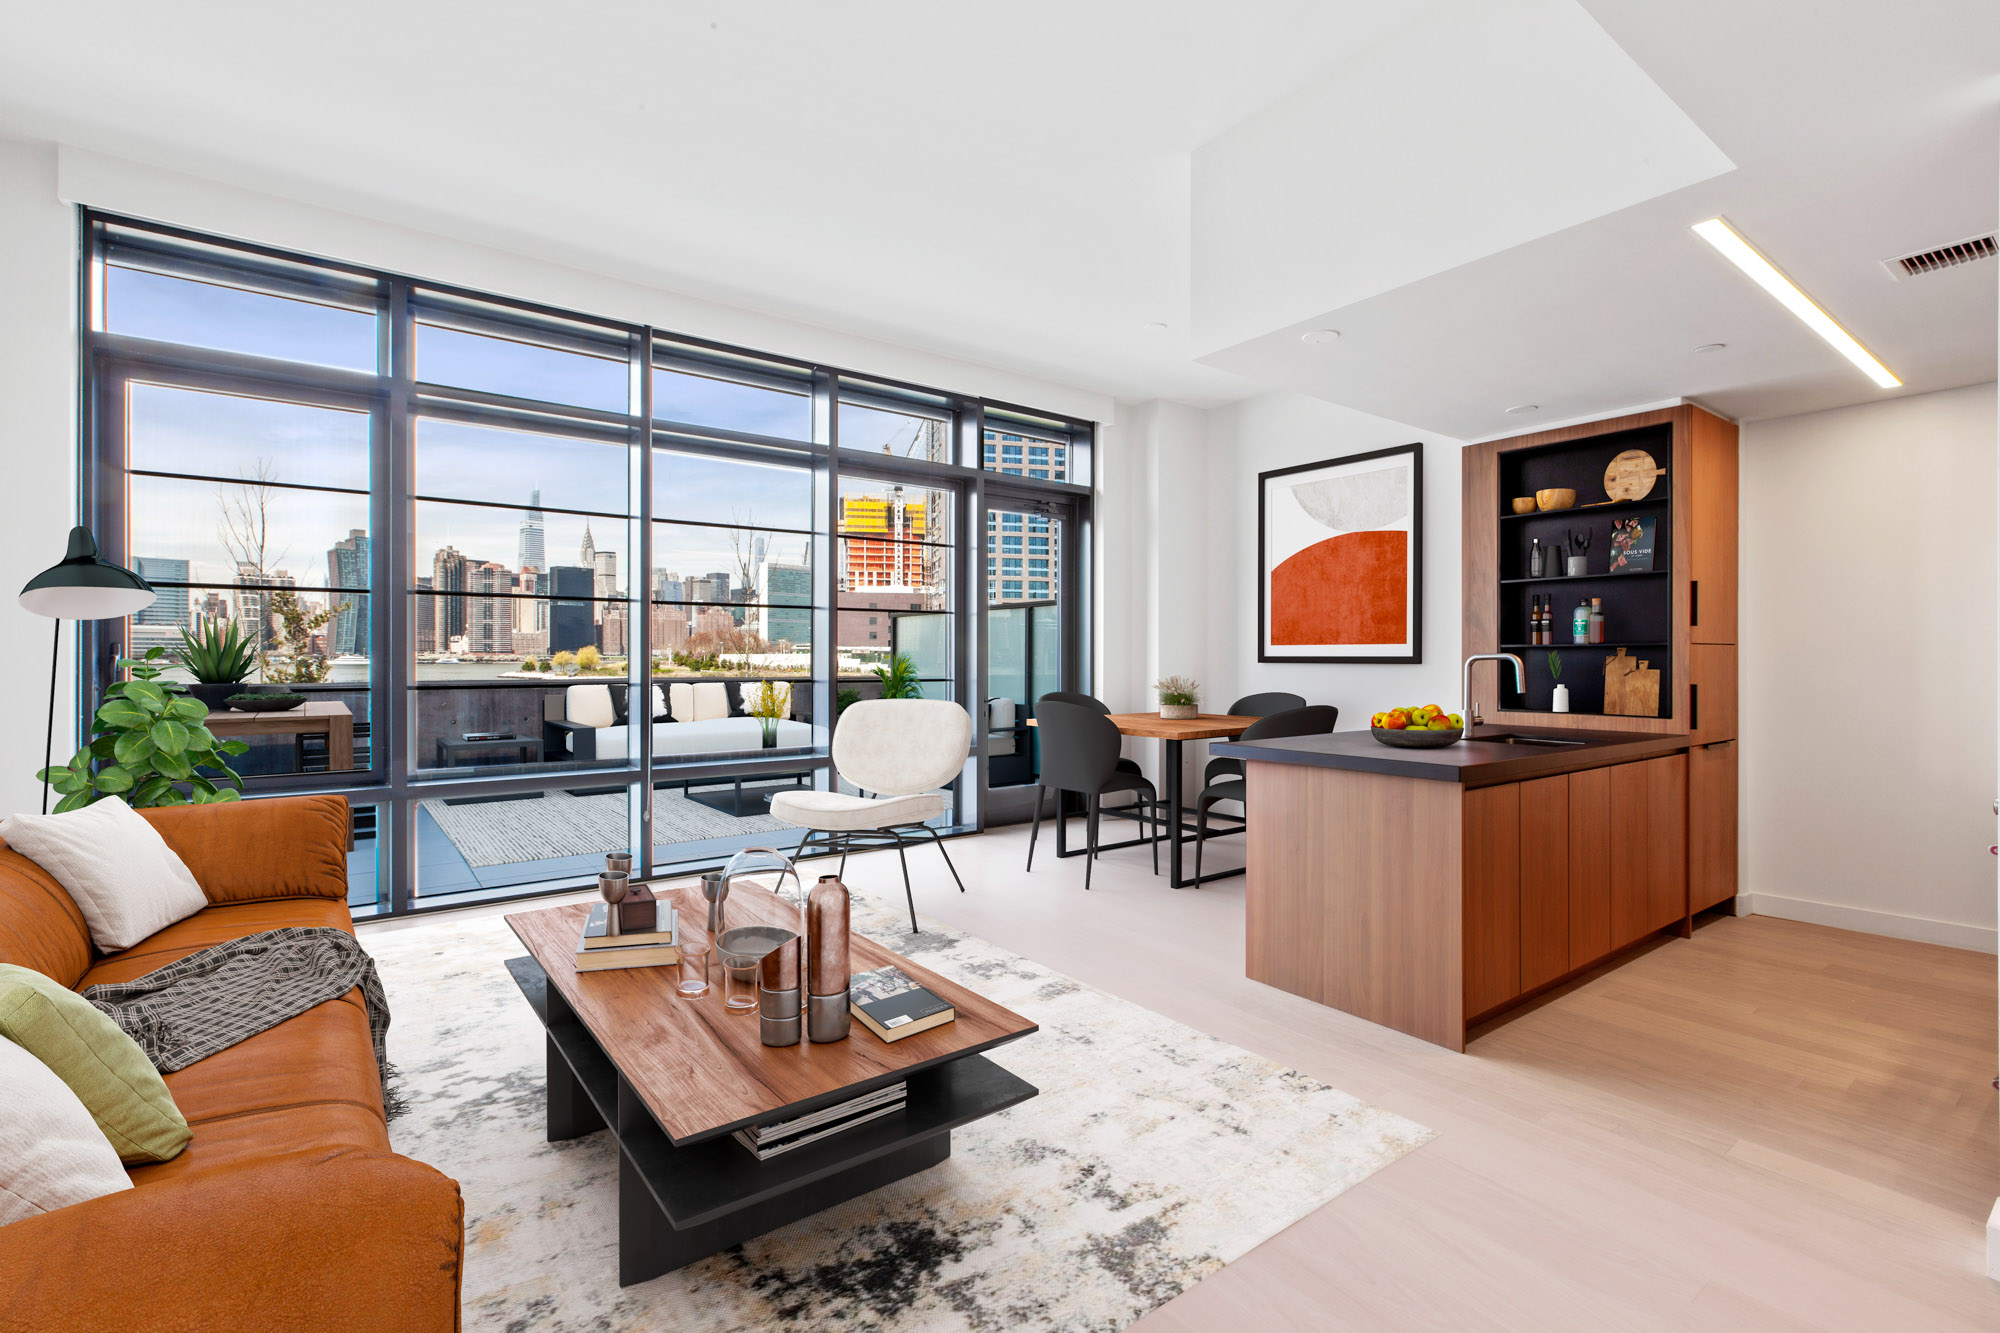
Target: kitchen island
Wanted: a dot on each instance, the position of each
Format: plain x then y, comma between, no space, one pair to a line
1428,890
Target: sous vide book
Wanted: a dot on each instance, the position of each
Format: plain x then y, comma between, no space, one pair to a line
1632,544
893,1007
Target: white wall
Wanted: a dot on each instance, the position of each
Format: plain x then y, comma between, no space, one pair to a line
37,450
1866,666
1279,430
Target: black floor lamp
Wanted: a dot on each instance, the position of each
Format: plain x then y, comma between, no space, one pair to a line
82,587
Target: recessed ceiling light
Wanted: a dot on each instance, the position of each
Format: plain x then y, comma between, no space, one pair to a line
1766,275
1710,347
1519,408
1157,326
1317,336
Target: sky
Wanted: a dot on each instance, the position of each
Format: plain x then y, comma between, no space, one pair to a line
229,440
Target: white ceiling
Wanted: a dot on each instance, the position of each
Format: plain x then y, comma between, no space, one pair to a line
1015,185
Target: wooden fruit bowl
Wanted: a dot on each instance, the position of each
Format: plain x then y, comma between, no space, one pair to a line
1406,739
1560,497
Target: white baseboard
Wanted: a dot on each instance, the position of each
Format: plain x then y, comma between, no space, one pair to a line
1983,939
1993,1242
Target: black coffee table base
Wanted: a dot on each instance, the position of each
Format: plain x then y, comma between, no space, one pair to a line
681,1202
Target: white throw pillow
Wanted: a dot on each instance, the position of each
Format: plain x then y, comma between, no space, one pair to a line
52,1154
590,706
683,701
711,701
125,879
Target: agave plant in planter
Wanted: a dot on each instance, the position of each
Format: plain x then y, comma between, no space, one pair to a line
149,746
218,659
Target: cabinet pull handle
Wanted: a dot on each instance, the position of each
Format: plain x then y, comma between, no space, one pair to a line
1694,603
1694,707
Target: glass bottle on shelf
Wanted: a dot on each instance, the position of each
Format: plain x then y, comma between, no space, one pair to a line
1597,620
1579,623
1537,559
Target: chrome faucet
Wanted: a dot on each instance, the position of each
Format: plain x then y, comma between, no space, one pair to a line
1465,692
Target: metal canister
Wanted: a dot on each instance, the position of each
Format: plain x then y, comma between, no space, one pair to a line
827,907
778,994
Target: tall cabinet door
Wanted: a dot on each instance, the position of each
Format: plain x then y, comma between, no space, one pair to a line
1492,888
1589,866
1648,847
1545,948
1711,825
1711,529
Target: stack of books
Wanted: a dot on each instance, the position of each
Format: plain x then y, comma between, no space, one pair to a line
767,1141
600,951
892,1006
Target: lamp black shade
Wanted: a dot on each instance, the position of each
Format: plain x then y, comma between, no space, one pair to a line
84,587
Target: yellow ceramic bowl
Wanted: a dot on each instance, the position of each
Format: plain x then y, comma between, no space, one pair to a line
1524,504
1558,498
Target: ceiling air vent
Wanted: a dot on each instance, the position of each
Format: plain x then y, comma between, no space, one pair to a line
1945,256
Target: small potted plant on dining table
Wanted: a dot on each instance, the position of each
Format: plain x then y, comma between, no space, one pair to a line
1179,696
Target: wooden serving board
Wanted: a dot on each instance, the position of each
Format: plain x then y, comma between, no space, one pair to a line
1631,474
1630,688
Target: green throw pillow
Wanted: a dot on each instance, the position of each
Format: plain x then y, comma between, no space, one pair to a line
105,1068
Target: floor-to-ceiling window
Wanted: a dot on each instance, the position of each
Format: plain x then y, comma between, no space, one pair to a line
550,585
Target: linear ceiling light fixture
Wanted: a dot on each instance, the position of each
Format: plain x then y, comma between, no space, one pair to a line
1766,275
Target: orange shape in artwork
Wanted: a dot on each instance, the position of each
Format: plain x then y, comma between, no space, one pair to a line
1350,589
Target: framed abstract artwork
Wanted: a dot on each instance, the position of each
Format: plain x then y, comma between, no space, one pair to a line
1340,546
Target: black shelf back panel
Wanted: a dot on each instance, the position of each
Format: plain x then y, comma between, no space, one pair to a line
1637,609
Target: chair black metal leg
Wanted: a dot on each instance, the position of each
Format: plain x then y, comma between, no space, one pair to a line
908,895
1090,838
1035,829
1200,835
841,874
1153,824
947,858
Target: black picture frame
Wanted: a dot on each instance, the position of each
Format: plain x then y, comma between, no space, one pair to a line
1416,654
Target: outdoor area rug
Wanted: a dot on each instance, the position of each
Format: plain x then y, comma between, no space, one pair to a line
1154,1155
498,833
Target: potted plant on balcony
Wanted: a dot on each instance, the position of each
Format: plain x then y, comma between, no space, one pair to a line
218,659
899,678
768,704
1178,697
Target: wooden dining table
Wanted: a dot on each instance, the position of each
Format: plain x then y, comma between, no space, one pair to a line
1172,733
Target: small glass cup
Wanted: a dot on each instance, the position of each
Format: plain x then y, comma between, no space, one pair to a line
739,982
693,983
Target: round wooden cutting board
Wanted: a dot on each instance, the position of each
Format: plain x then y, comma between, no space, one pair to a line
1630,476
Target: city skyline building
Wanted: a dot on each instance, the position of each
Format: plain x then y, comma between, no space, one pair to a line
160,625
347,567
531,552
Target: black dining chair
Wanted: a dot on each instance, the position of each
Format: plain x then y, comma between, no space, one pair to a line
1080,754
1083,700
1315,720
1250,705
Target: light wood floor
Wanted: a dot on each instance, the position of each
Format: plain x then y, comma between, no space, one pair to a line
1769,1126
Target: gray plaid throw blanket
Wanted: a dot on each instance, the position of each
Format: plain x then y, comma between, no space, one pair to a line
209,1001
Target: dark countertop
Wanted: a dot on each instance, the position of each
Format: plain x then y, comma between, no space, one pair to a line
1470,762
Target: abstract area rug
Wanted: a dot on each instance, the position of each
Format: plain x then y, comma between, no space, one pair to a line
498,833
1154,1155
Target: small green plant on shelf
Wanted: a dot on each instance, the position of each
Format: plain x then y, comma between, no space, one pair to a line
149,746
899,678
1555,665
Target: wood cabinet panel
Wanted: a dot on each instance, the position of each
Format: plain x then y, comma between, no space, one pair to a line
1711,825
1545,905
1589,865
1666,840
1648,863
1712,528
1712,680
1492,903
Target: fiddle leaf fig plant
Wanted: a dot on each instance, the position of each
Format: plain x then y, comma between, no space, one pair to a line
148,745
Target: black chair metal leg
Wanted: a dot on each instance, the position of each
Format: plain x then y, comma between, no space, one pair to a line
1153,822
1090,838
1200,835
947,857
1035,829
908,895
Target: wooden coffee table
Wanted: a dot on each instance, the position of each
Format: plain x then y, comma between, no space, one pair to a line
672,1078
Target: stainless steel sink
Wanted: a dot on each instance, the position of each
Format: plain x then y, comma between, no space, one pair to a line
1514,738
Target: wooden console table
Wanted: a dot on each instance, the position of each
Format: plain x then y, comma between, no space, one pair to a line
315,718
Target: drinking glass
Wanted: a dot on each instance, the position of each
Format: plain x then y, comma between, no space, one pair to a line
739,982
693,982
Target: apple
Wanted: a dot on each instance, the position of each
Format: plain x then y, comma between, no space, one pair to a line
1397,720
